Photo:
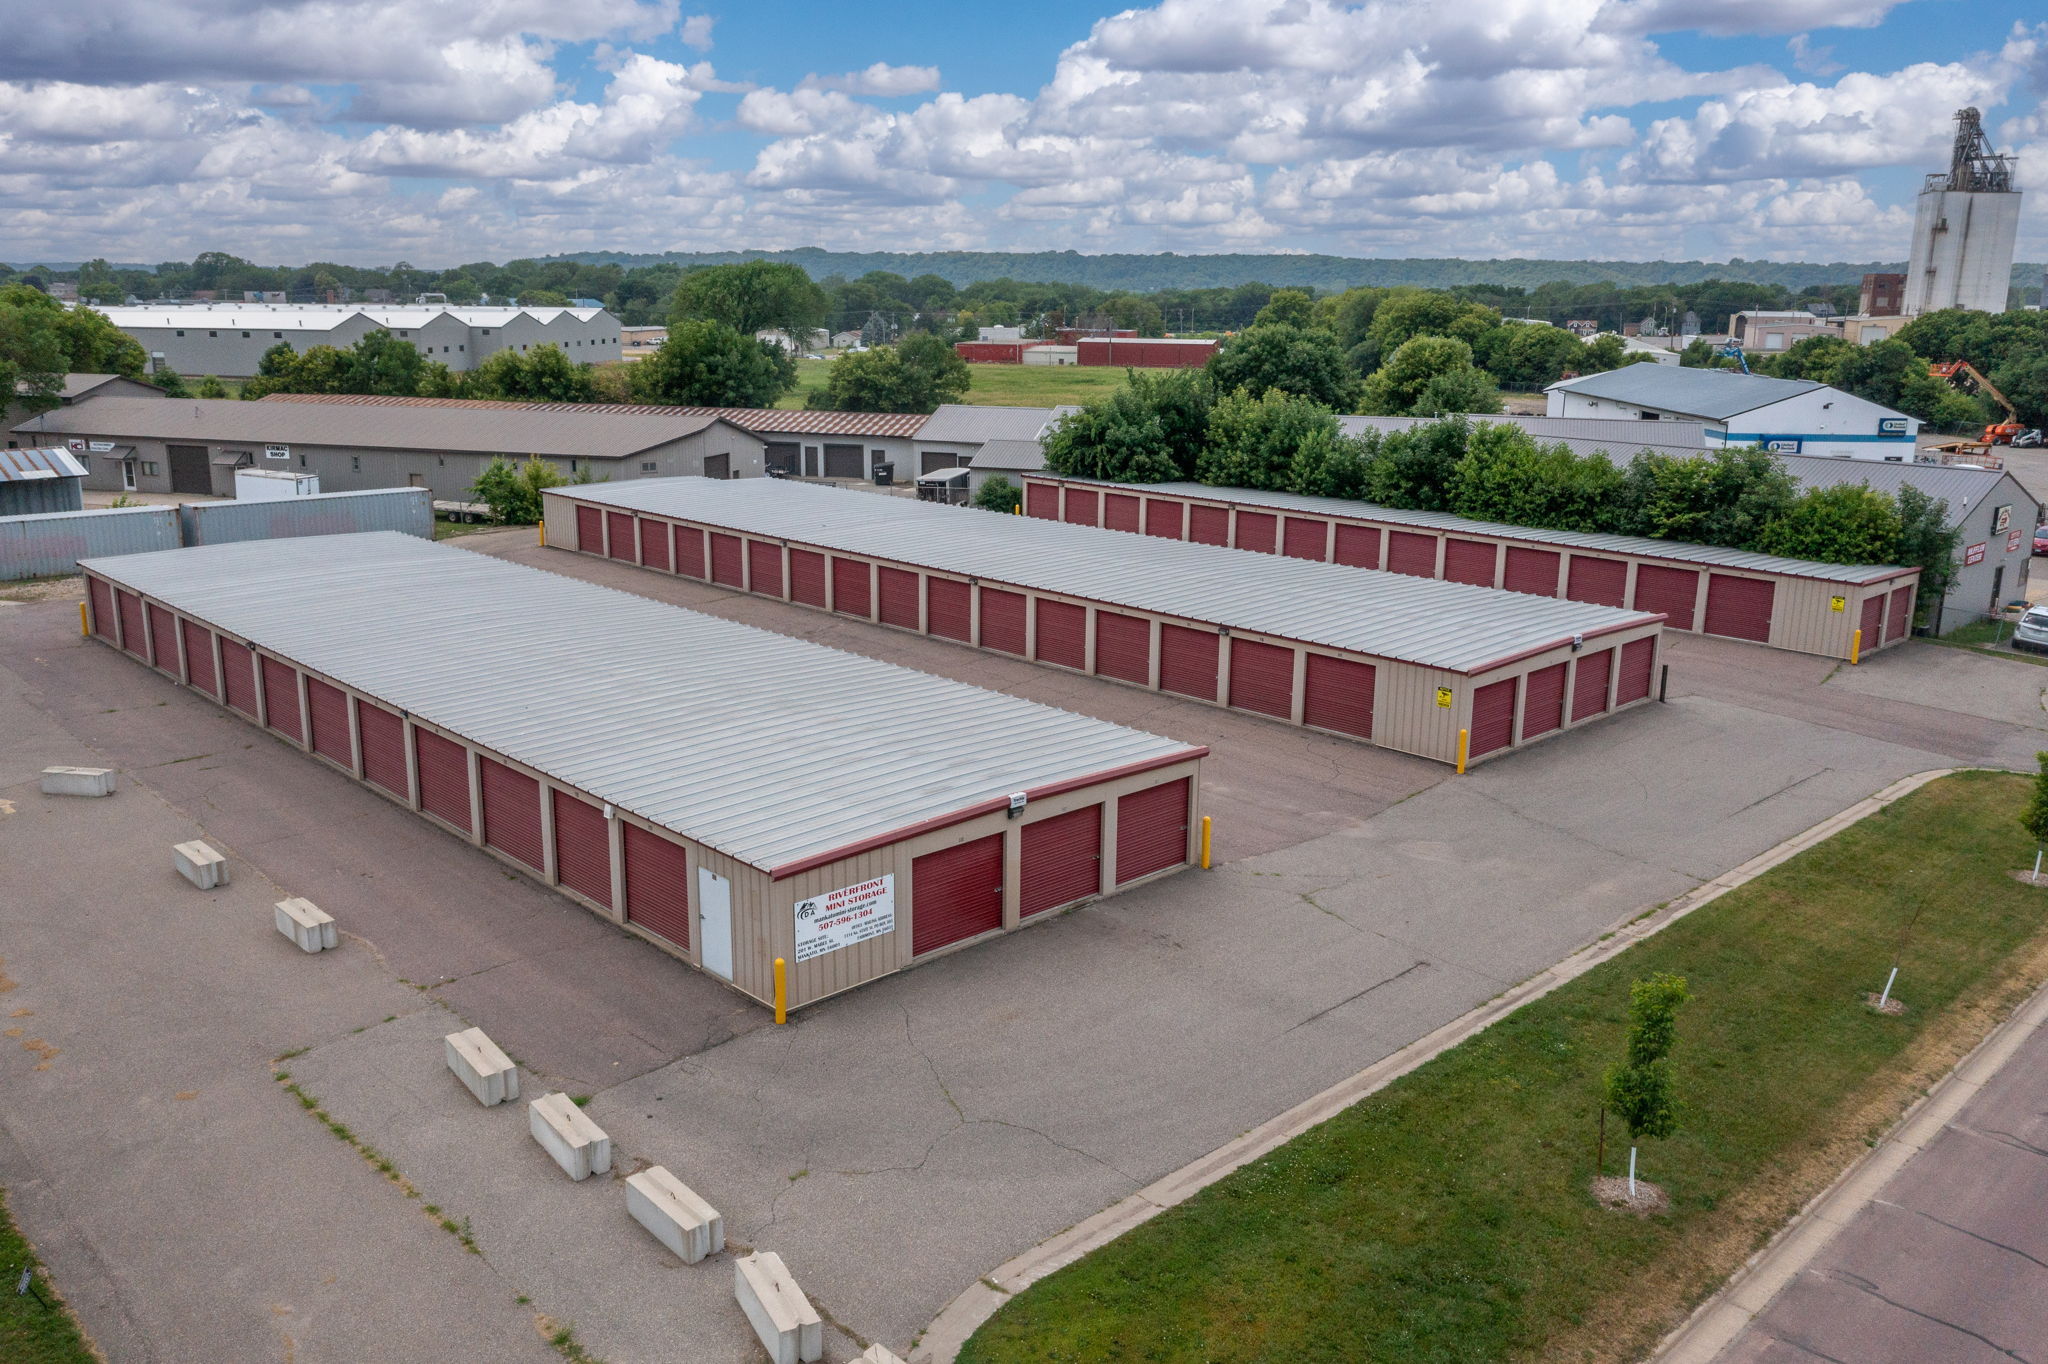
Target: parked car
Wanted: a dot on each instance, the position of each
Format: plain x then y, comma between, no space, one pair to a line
2041,539
2032,634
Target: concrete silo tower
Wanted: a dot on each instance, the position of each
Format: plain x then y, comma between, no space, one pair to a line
1963,234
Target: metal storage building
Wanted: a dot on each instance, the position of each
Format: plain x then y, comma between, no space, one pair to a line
409,511
1146,352
732,795
36,481
1395,661
1791,604
50,544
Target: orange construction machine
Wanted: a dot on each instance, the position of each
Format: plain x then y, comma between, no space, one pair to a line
1966,376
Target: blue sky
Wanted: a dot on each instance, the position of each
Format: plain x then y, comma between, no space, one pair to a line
370,130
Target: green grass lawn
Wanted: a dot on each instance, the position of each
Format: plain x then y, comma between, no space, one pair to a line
996,385
29,1332
1447,1218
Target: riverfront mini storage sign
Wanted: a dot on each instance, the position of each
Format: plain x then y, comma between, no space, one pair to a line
840,918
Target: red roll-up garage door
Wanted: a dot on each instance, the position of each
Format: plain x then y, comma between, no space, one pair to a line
764,561
328,707
1899,615
1412,554
1163,517
589,530
1469,561
1531,570
1061,637
1081,509
1258,531
1120,511
1670,590
898,588
619,542
199,657
583,849
728,568
1358,546
1151,830
1187,661
1209,525
654,544
444,777
1872,623
1603,582
1589,684
1061,860
1493,717
657,885
1123,647
133,632
383,737
1305,538
239,667
163,639
1637,657
1042,500
1262,678
1543,702
281,698
102,608
1337,694
1740,607
850,587
1002,620
806,576
949,608
690,552
511,811
956,893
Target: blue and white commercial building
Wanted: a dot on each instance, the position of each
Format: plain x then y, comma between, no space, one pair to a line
1787,416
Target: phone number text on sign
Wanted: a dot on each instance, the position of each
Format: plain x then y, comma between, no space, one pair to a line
840,918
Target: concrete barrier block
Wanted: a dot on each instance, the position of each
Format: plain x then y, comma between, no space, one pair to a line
566,1132
78,781
777,1309
480,1065
879,1354
673,1212
200,865
306,924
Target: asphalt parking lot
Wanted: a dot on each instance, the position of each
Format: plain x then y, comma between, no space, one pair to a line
892,1144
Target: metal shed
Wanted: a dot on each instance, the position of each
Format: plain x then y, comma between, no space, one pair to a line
34,482
50,544
732,795
1835,610
1398,662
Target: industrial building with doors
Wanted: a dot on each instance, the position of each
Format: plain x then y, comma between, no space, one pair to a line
1436,669
1836,610
1787,416
76,389
986,440
731,795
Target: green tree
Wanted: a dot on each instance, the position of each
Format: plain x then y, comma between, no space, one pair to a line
97,284
210,387
41,341
750,297
171,382
1121,437
1132,313
1640,1089
1531,355
1305,361
1413,469
2034,815
1407,313
512,491
545,374
1182,399
1255,442
1287,308
1430,376
916,376
998,494
1720,497
1849,523
1928,542
1507,475
542,298
710,364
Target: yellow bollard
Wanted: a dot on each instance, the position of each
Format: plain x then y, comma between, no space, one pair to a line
543,534
84,621
1464,742
781,991
1205,843
1855,647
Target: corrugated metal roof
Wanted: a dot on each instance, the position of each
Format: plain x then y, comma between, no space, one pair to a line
17,466
765,420
967,424
1416,620
1009,454
1962,489
518,431
1674,550
1713,394
1611,433
767,748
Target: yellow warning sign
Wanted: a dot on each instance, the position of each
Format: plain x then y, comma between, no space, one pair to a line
1838,603
1443,697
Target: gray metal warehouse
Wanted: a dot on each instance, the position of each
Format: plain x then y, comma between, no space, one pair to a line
732,795
1419,667
1833,610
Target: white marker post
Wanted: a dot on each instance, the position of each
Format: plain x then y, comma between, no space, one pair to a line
1885,998
1631,1174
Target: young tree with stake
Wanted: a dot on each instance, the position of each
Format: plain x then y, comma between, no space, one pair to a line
1640,1089
2034,818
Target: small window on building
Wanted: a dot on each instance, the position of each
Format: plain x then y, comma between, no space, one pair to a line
441,460
460,349
181,333
302,461
277,336
355,464
213,334
572,466
647,466
245,336
149,468
487,331
405,333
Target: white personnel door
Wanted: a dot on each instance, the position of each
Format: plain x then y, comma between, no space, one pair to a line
714,923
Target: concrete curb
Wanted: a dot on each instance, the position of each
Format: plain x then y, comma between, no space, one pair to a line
1718,1321
960,1318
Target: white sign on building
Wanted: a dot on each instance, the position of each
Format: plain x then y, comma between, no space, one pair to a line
840,918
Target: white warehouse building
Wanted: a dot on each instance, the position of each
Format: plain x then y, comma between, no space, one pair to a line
1788,416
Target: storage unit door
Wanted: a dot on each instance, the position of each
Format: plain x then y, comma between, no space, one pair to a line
843,461
1603,582
806,576
1081,508
1060,637
1262,678
654,544
102,608
1533,571
1258,531
1123,647
727,560
1151,830
1637,657
1412,554
1120,511
163,639
1740,607
1468,561
281,698
657,885
1061,860
785,457
764,559
1163,516
949,608
134,634
1187,661
1337,694
383,736
619,542
444,777
1358,546
1899,614
328,707
956,893
1002,620
690,552
1042,500
239,666
583,848
898,587
511,811
850,589
199,657
1209,525
1493,717
1543,702
1589,684
1670,590
1872,622
589,530
1305,538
